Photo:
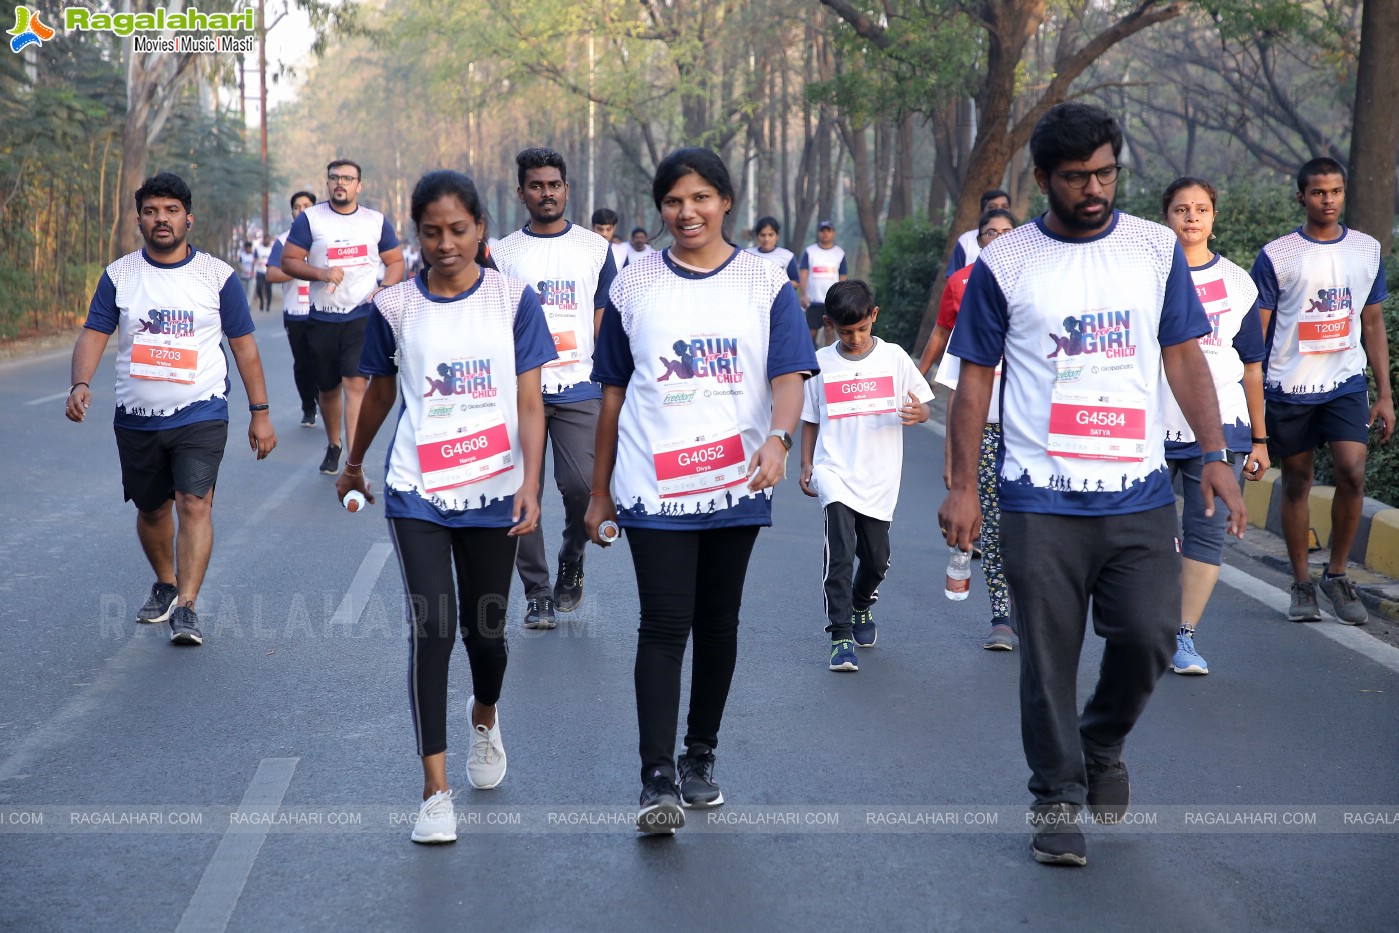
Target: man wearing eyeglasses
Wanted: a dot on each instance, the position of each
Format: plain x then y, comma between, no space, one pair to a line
337,246
1087,305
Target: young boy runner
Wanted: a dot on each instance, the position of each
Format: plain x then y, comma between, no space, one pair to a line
852,458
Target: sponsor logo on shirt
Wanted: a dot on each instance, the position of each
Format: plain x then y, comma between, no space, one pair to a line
1106,332
713,358
440,411
1068,373
462,377
558,293
679,397
168,323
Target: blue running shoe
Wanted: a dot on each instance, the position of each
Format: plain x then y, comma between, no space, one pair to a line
1187,660
863,628
843,656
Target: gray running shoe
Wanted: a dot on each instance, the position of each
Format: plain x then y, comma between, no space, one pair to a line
158,606
184,627
1304,607
1345,599
1058,837
1002,637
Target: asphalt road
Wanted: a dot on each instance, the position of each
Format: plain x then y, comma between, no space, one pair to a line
264,780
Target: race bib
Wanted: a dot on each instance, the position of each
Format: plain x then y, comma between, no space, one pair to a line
872,394
562,324
1323,331
303,293
342,256
696,464
164,358
462,452
1097,427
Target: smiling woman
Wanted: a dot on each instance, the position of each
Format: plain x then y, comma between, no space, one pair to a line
689,473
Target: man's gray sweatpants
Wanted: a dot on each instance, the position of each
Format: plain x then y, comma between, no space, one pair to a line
1129,566
571,428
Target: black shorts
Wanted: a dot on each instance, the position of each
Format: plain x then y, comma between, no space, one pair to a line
335,350
815,315
1294,428
157,464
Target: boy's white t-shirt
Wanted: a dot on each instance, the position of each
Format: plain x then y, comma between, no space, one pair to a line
858,460
950,372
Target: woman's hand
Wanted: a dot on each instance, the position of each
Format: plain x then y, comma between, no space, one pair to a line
600,509
768,466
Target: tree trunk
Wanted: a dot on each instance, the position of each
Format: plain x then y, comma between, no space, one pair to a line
1370,203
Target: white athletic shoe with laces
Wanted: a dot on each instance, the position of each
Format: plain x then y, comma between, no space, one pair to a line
485,763
437,820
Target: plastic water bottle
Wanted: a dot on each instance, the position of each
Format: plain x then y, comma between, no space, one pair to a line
608,531
354,501
959,574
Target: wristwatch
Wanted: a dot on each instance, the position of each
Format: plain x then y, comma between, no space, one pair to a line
1215,456
784,437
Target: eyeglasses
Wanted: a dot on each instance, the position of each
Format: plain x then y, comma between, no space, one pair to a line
990,233
1105,175
347,179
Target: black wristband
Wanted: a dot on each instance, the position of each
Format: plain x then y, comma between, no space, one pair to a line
75,385
262,407
1260,440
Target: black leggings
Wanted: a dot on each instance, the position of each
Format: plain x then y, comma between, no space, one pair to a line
686,581
484,559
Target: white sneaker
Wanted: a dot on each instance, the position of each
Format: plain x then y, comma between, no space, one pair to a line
437,819
485,763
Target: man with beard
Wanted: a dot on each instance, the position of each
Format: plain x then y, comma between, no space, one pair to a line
1087,509
337,246
173,305
571,268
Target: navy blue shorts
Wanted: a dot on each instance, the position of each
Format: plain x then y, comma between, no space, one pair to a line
1295,429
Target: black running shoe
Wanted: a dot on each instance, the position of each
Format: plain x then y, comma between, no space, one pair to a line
158,606
184,627
697,786
331,464
568,591
1058,838
540,613
660,812
308,419
1109,792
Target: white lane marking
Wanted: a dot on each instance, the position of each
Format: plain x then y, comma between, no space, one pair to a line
357,596
213,902
60,727
1350,636
47,398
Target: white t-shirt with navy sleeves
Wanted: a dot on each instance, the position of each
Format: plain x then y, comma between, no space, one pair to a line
170,321
1236,337
824,267
571,272
296,294
859,456
783,256
965,252
696,352
1081,324
455,458
1315,291
352,242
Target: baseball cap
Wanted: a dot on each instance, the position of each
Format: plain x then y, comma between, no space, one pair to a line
825,225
